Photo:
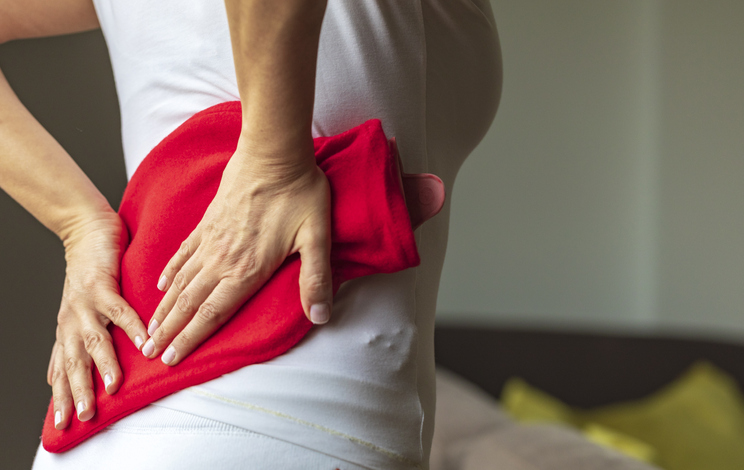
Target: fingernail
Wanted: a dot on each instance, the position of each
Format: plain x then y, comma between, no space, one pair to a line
320,313
107,379
169,355
80,408
138,342
162,283
153,326
149,348
57,418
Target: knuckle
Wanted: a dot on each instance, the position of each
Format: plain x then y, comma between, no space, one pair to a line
184,249
128,324
163,334
159,335
114,312
57,374
209,314
184,302
180,281
185,337
88,284
93,340
63,317
317,284
79,391
107,365
74,364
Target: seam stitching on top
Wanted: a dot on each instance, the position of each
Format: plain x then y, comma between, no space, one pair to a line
279,414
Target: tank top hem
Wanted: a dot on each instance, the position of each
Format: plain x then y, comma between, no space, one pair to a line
286,427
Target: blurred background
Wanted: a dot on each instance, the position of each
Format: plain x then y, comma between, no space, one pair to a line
607,197
609,192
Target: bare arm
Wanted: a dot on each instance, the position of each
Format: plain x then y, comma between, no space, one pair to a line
275,47
273,200
20,19
40,175
34,169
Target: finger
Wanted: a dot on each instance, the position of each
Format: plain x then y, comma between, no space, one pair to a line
425,196
316,284
116,309
77,364
181,279
50,367
185,251
61,391
184,309
424,193
215,311
100,348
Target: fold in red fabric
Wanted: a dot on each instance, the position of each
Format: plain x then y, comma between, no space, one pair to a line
165,200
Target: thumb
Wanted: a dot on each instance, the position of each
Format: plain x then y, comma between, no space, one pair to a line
316,284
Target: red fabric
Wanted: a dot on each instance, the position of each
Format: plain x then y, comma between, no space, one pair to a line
163,203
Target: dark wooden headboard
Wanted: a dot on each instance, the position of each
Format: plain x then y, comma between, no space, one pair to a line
581,369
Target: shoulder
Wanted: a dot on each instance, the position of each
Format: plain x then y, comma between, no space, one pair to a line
21,19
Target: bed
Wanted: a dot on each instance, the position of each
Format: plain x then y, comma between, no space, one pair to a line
582,369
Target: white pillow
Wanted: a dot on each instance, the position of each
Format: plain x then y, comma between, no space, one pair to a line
473,432
536,447
463,412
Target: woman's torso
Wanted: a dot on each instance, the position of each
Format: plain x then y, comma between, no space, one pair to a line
362,386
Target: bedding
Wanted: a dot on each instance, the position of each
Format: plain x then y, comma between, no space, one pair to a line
473,432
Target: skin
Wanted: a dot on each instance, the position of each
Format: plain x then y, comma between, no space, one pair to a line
37,172
272,201
283,198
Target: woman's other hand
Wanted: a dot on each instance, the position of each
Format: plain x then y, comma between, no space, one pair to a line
90,301
265,210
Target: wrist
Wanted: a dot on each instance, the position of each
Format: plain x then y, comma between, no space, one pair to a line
272,133
276,155
79,225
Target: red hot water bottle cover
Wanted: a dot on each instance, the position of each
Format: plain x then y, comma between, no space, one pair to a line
165,200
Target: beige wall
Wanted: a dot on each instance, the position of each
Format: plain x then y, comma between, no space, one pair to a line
701,224
608,193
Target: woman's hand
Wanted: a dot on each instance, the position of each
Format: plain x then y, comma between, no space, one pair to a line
265,209
272,201
90,301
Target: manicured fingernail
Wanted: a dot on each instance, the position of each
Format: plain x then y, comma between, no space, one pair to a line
107,379
57,418
138,342
153,326
149,348
162,283
320,313
169,355
80,408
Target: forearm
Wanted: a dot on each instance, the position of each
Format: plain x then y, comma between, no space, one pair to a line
40,175
275,48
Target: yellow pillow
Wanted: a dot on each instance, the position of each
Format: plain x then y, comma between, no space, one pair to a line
695,423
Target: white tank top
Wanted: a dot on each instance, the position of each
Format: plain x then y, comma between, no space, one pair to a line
362,386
